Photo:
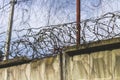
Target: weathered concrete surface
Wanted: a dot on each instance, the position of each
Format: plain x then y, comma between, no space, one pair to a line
44,69
103,65
97,61
94,61
94,45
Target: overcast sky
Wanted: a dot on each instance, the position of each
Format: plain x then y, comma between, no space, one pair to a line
36,13
50,12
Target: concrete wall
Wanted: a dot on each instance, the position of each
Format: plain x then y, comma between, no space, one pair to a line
95,61
103,65
44,69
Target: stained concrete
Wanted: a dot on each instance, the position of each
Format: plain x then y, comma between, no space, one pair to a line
44,69
95,61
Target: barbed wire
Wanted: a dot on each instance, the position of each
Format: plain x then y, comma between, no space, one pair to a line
49,40
7,4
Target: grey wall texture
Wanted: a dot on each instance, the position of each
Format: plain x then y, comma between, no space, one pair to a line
44,69
102,65
94,61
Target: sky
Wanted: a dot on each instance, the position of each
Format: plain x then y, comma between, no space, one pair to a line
53,12
38,13
96,8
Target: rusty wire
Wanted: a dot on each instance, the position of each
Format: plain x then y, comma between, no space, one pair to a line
49,40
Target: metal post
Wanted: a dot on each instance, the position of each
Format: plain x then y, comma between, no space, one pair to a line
61,65
9,31
78,22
